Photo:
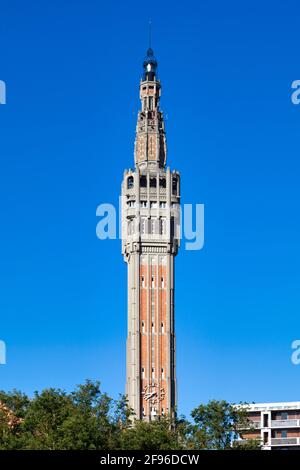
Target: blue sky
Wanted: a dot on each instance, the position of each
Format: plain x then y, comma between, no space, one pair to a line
72,70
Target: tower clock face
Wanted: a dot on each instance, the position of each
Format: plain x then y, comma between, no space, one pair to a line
153,394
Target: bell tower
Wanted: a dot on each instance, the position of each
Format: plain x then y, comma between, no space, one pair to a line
150,241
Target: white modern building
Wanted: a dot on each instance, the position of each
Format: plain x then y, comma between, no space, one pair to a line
276,425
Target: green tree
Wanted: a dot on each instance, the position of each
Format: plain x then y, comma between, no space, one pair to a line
88,419
165,433
218,424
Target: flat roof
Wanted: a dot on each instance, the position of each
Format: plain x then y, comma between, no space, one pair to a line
281,405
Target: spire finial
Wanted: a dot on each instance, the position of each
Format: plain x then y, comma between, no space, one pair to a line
150,33
150,64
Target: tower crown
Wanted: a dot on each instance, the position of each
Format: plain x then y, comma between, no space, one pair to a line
150,66
150,142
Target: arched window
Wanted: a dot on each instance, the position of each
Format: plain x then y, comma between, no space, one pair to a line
143,182
162,182
152,182
130,182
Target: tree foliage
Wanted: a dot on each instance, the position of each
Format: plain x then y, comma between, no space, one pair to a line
89,419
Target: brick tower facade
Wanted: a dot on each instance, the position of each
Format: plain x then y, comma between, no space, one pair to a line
150,241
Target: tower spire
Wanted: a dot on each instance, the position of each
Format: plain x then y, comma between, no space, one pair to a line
150,33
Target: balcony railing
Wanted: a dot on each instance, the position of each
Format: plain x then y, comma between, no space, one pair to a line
285,441
285,423
255,425
250,425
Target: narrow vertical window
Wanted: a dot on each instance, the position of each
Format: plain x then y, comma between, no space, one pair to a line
130,182
153,226
162,283
143,372
162,373
143,327
152,327
162,327
153,373
143,226
143,281
174,186
152,281
152,182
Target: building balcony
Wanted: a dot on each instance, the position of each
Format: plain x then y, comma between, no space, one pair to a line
285,423
250,425
285,441
255,425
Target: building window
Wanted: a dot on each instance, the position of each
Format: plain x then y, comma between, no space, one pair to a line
162,283
153,411
152,281
153,205
143,182
143,226
284,416
131,203
162,226
143,372
153,373
162,411
143,281
152,182
144,414
174,186
162,327
283,434
144,204
130,182
266,420
162,182
153,224
162,205
152,327
143,327
162,373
